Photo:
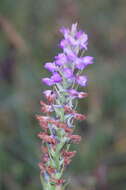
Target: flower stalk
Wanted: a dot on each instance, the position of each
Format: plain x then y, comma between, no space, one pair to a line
59,116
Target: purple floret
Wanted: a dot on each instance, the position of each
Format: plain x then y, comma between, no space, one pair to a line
87,60
50,67
81,80
79,63
82,62
61,59
48,81
56,78
74,39
73,92
48,92
82,39
68,73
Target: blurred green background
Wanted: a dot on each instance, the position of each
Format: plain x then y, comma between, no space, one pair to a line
29,34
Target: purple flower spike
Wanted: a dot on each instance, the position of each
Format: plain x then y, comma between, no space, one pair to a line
59,110
50,67
81,80
56,78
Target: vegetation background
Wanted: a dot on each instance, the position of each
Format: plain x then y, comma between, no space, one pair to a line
29,34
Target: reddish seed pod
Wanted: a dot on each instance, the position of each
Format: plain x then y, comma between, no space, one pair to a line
45,158
68,154
42,167
42,118
69,110
53,121
46,108
62,125
65,127
68,130
82,95
46,138
44,149
43,121
67,161
50,170
50,96
45,168
75,138
78,116
58,181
